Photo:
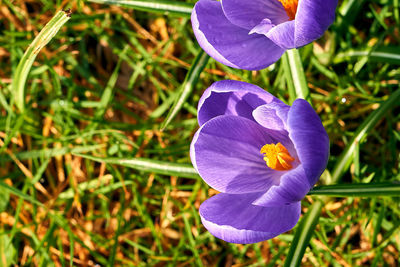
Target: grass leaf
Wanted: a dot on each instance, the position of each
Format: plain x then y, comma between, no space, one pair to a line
25,64
165,7
149,165
188,85
358,190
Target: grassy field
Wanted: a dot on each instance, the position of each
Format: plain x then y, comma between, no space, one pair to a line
96,170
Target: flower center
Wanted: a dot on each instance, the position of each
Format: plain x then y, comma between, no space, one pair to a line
277,157
291,7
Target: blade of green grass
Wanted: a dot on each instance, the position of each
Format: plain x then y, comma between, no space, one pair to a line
358,190
166,7
24,66
304,232
190,82
108,93
17,126
191,241
33,181
384,55
149,165
346,157
49,153
20,194
348,12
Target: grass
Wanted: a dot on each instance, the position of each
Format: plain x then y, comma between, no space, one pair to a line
87,176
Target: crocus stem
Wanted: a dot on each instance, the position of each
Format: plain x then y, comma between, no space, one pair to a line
288,76
298,78
24,66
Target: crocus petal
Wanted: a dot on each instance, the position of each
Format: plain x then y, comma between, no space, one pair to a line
247,14
309,138
234,219
313,18
227,155
228,43
263,27
192,150
283,34
272,115
230,97
293,187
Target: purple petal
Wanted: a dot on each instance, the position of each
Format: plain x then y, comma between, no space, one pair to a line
192,150
230,97
247,14
293,187
228,43
273,115
313,18
283,34
226,153
263,27
309,138
234,219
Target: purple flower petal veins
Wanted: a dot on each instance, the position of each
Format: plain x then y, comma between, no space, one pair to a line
234,219
254,34
258,201
228,43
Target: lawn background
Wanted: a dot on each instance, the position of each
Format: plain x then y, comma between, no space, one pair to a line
97,171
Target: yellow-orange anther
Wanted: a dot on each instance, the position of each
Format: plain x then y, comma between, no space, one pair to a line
290,7
277,157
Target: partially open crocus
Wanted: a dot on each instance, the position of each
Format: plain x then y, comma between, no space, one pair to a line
253,34
261,154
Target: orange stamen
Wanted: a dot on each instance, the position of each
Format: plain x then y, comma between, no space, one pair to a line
277,157
291,7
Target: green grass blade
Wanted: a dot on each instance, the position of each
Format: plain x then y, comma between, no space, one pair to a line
157,6
383,55
190,82
49,153
347,155
303,234
358,190
298,78
307,225
20,194
17,126
108,93
348,13
24,66
149,165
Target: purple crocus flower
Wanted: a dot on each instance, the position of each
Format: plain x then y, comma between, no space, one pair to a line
253,34
263,155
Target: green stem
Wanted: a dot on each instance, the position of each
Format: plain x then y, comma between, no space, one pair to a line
298,77
288,77
24,66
